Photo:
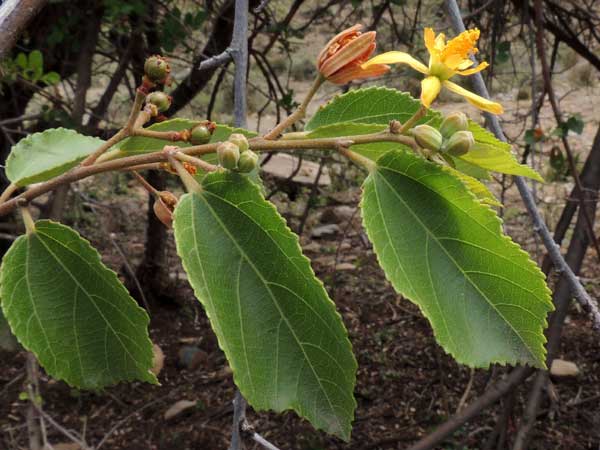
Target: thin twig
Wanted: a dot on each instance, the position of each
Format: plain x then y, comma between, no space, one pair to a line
130,271
299,113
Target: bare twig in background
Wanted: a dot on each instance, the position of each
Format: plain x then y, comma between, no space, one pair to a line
14,17
130,271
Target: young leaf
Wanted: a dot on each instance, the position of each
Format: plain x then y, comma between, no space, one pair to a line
44,155
72,312
445,251
491,157
284,340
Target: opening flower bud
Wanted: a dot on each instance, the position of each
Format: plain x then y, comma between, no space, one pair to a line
229,155
163,207
157,69
159,99
201,134
457,121
239,140
427,137
459,143
248,161
341,59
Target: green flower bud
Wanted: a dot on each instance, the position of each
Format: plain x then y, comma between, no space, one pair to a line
159,99
459,143
248,161
157,69
427,137
200,134
457,121
239,140
229,155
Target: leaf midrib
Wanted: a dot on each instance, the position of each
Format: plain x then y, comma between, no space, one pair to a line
273,298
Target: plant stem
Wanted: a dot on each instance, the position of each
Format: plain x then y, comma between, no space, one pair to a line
151,189
143,160
414,119
299,113
360,160
27,218
196,162
10,190
188,180
122,133
172,136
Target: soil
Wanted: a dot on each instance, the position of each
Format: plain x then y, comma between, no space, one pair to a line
406,384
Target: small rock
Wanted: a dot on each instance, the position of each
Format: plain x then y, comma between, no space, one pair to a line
158,360
178,408
325,230
191,357
562,368
345,266
66,446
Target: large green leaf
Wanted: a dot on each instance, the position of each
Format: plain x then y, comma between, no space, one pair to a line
71,311
42,156
445,251
284,340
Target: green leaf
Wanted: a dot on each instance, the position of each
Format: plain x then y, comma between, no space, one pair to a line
575,124
72,312
51,78
284,340
21,61
491,157
441,248
36,64
370,105
44,155
480,190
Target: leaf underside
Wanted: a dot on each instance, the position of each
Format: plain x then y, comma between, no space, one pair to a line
72,312
445,251
284,340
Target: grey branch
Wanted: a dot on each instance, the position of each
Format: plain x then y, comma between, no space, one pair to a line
14,17
539,225
239,52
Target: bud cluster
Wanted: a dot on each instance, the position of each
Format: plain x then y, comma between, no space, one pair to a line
453,137
235,154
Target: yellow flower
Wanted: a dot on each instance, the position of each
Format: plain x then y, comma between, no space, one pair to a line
446,59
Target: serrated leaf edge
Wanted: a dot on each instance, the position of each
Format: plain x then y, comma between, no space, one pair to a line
303,259
112,274
535,268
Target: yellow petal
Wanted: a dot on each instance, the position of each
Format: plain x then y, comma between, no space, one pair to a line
430,88
397,58
480,102
429,38
479,68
